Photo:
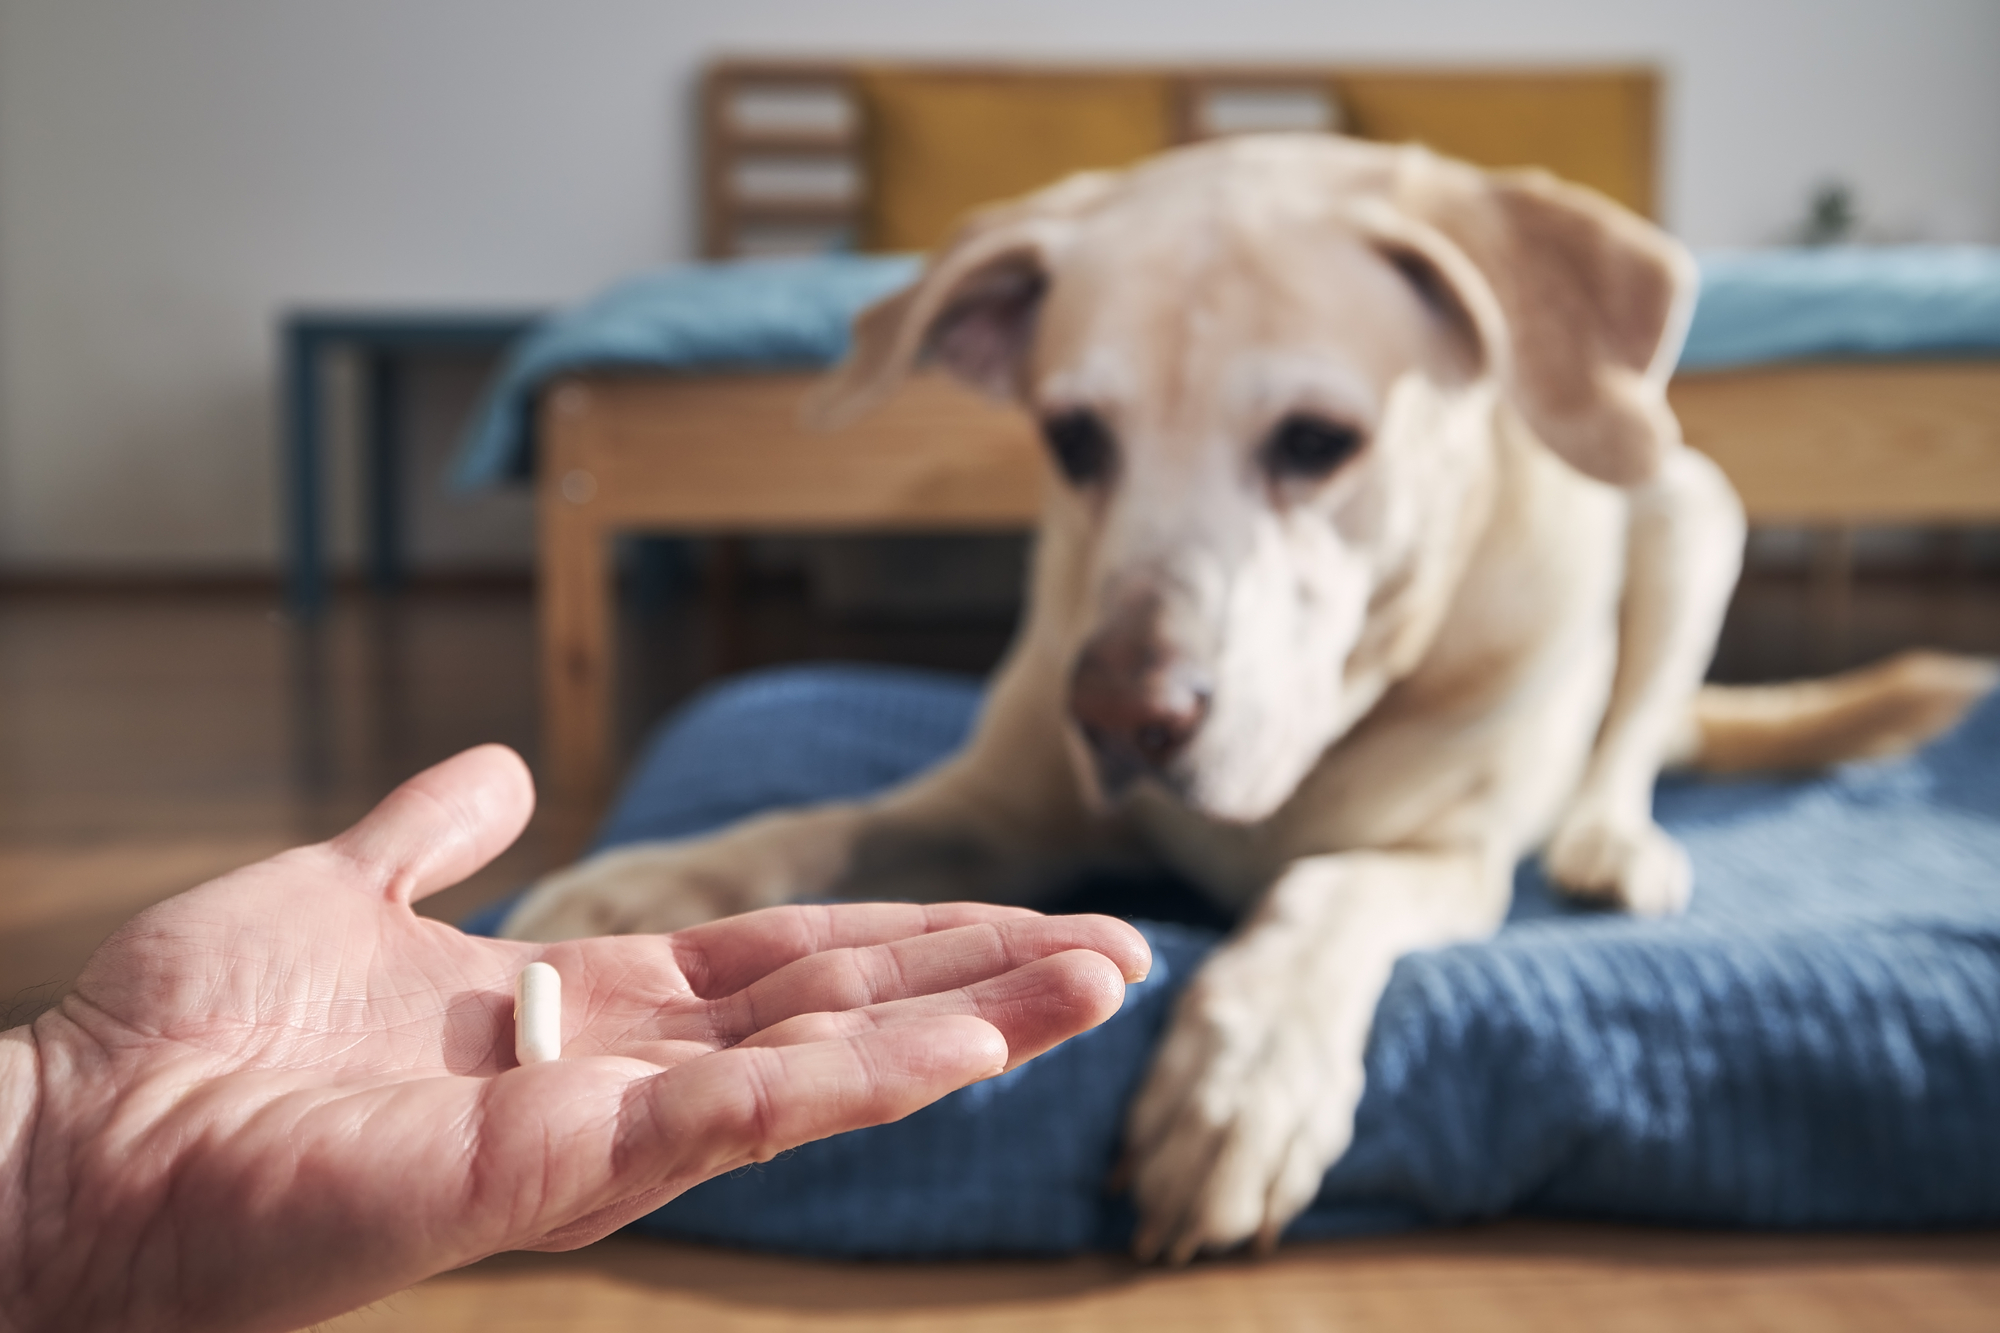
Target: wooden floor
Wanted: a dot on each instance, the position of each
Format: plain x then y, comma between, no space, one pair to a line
1531,1277
150,740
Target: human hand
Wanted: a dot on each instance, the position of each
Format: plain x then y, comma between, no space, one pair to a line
283,1094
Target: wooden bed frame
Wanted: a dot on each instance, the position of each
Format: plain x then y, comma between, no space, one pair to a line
1827,444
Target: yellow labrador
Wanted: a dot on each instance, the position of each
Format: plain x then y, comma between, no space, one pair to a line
1375,561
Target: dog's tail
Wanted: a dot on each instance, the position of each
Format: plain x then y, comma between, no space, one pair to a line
1888,708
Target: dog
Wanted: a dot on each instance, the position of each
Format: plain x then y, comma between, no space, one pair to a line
1373,561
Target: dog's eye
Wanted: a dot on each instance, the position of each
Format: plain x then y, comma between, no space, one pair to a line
1082,446
1309,448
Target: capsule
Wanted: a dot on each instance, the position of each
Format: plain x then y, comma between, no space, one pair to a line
537,1014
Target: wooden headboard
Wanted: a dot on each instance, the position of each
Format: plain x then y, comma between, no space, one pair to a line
793,152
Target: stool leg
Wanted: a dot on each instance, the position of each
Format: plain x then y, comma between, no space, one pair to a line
385,519
305,583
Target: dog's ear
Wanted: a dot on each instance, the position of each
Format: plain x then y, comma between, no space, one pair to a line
1595,303
973,308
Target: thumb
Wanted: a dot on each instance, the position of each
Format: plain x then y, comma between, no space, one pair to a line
443,824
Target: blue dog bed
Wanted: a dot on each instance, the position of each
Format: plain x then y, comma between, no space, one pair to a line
1816,1044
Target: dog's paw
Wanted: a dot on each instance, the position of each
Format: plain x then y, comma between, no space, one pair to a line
628,891
1633,865
1244,1110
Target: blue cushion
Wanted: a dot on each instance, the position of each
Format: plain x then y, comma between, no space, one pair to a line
1815,1044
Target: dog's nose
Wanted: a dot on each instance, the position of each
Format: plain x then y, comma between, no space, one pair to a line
1136,720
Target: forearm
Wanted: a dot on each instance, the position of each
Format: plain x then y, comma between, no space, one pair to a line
20,1100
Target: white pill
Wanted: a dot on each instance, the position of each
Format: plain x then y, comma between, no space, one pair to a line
537,1014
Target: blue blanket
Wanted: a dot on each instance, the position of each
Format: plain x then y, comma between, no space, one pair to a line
768,314
1845,300
1815,1044
1756,306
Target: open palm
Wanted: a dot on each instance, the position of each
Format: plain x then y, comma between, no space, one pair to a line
283,1094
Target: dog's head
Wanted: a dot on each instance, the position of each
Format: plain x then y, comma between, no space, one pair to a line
1267,370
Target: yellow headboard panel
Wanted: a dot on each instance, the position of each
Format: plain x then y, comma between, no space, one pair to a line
935,146
1592,127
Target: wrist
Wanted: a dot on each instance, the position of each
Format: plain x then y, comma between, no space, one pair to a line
20,1105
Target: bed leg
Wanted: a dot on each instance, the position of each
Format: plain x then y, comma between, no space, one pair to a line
573,592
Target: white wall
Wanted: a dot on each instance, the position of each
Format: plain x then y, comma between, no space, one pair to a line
174,172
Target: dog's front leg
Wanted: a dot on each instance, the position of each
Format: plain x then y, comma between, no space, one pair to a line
1252,1095
1684,550
665,886
980,825
931,841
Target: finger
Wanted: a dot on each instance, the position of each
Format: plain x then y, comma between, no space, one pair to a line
441,825
748,1104
921,965
725,956
582,1148
1033,1007
724,1110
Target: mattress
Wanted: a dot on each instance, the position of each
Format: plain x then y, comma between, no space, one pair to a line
1815,1044
1756,307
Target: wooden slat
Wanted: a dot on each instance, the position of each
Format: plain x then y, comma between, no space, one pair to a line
727,453
754,71
829,142
1861,442
751,209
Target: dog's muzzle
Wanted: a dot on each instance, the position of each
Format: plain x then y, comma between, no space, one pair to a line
1137,704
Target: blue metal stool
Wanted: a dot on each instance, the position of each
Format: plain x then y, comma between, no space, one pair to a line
383,340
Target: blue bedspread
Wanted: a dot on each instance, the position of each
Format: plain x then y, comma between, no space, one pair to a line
1756,306
1815,1044
1845,300
758,313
